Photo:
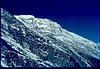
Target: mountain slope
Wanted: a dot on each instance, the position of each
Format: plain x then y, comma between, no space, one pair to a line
34,42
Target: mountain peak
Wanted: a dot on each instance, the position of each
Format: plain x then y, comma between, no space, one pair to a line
42,25
36,42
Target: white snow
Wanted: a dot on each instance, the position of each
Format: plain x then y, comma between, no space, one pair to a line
44,27
3,64
48,26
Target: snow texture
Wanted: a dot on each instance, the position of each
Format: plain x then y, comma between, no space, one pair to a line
27,41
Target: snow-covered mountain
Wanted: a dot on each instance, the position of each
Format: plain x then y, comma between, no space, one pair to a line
27,41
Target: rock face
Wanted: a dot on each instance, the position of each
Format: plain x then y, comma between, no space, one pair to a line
27,41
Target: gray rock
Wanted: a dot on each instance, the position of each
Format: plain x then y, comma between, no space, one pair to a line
46,44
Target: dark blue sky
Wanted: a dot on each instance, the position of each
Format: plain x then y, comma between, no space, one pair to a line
78,16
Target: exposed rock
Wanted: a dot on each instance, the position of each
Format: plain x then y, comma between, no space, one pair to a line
27,41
